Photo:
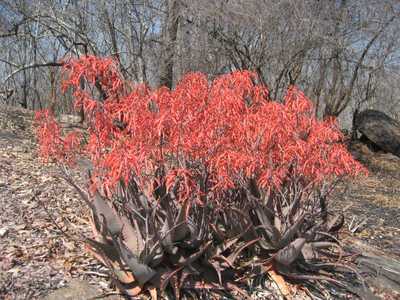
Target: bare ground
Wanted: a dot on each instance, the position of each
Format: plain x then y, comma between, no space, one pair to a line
373,202
35,255
38,210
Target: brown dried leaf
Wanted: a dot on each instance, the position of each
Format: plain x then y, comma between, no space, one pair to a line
280,282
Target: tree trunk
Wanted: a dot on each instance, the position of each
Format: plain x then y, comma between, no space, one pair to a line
170,35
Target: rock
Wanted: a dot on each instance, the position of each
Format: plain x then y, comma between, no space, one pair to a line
379,270
79,290
3,231
380,129
390,157
364,150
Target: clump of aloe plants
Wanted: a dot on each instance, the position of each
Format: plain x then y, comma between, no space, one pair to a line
197,190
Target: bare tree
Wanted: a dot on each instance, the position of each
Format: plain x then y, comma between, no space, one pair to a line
343,54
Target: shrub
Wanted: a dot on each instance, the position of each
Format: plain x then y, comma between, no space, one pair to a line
204,186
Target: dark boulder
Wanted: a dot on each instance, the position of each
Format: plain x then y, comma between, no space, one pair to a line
380,129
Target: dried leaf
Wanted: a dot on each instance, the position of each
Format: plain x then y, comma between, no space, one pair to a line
280,282
153,293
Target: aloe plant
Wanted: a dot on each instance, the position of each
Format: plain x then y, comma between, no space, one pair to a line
205,186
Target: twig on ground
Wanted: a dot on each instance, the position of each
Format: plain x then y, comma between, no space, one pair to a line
354,226
106,295
103,275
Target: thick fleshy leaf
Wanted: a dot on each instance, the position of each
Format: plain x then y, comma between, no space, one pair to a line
294,206
270,230
108,255
232,258
142,272
181,229
226,245
291,252
308,252
267,212
166,238
166,277
266,245
102,209
155,256
144,201
132,237
194,256
218,269
290,233
105,249
229,243
335,223
278,223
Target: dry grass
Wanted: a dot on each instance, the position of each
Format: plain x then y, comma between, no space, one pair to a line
375,198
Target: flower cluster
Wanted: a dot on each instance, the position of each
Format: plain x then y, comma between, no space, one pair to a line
228,129
52,145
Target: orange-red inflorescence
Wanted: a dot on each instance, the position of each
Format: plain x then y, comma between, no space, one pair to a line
228,128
